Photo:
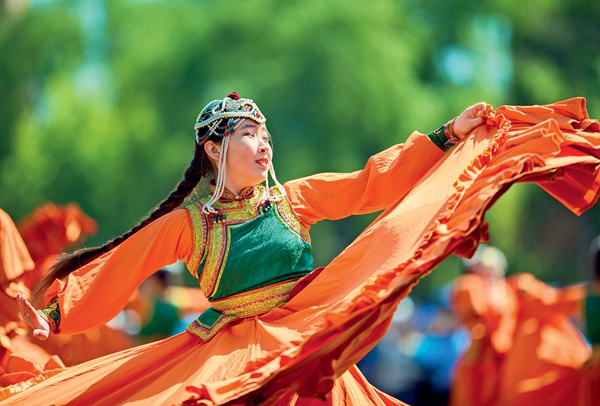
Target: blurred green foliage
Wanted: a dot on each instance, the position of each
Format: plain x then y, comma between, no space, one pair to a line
98,98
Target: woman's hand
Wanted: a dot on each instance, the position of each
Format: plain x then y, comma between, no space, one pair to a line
41,329
469,120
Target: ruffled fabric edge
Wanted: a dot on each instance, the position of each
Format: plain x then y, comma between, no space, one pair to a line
453,231
24,381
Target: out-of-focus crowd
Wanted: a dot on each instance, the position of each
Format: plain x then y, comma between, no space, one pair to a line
491,340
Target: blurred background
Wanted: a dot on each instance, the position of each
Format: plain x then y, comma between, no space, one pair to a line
98,99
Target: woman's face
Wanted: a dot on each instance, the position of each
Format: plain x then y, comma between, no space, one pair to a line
248,156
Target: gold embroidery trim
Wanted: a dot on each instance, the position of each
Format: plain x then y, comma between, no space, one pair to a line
207,332
286,215
217,235
199,227
51,313
216,246
255,302
217,240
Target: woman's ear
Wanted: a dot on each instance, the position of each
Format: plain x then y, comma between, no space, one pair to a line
213,150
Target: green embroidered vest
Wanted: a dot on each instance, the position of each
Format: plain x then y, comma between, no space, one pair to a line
247,258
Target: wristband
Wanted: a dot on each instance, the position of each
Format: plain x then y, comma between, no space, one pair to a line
444,136
51,313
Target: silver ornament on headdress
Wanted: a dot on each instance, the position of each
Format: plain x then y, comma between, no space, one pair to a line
212,116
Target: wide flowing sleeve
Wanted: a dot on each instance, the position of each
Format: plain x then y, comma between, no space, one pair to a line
547,298
14,257
386,177
98,291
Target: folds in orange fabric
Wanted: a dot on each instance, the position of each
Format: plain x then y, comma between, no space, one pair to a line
310,344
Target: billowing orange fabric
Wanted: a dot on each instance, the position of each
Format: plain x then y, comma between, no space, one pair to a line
10,320
51,230
310,345
589,389
14,262
48,231
542,366
492,325
20,368
78,348
14,257
524,352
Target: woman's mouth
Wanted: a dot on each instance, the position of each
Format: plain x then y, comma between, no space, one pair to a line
263,162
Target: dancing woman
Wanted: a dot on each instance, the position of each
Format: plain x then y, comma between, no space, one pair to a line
279,331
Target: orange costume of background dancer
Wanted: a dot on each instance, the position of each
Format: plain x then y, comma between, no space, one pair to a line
278,332
487,305
19,358
525,350
48,231
542,366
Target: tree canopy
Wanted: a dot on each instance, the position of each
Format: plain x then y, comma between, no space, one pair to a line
99,98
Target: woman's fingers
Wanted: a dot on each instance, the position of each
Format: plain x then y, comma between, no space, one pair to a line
41,334
41,329
479,110
470,119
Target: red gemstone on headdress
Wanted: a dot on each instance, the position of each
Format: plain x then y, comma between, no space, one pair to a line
234,96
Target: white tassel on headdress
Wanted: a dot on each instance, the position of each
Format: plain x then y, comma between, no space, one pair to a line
280,195
220,180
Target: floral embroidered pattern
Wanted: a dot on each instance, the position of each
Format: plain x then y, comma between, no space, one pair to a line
206,332
251,203
51,313
199,225
255,302
212,243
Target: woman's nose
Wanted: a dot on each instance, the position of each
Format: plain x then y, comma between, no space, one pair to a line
264,146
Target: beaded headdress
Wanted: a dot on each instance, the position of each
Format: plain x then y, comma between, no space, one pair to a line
220,118
231,108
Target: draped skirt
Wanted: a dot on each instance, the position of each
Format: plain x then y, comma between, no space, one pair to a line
305,352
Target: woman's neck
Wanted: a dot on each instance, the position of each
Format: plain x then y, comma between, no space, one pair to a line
236,190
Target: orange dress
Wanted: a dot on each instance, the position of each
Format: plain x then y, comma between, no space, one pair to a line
489,311
51,230
14,262
14,257
548,350
19,358
589,391
304,350
48,231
